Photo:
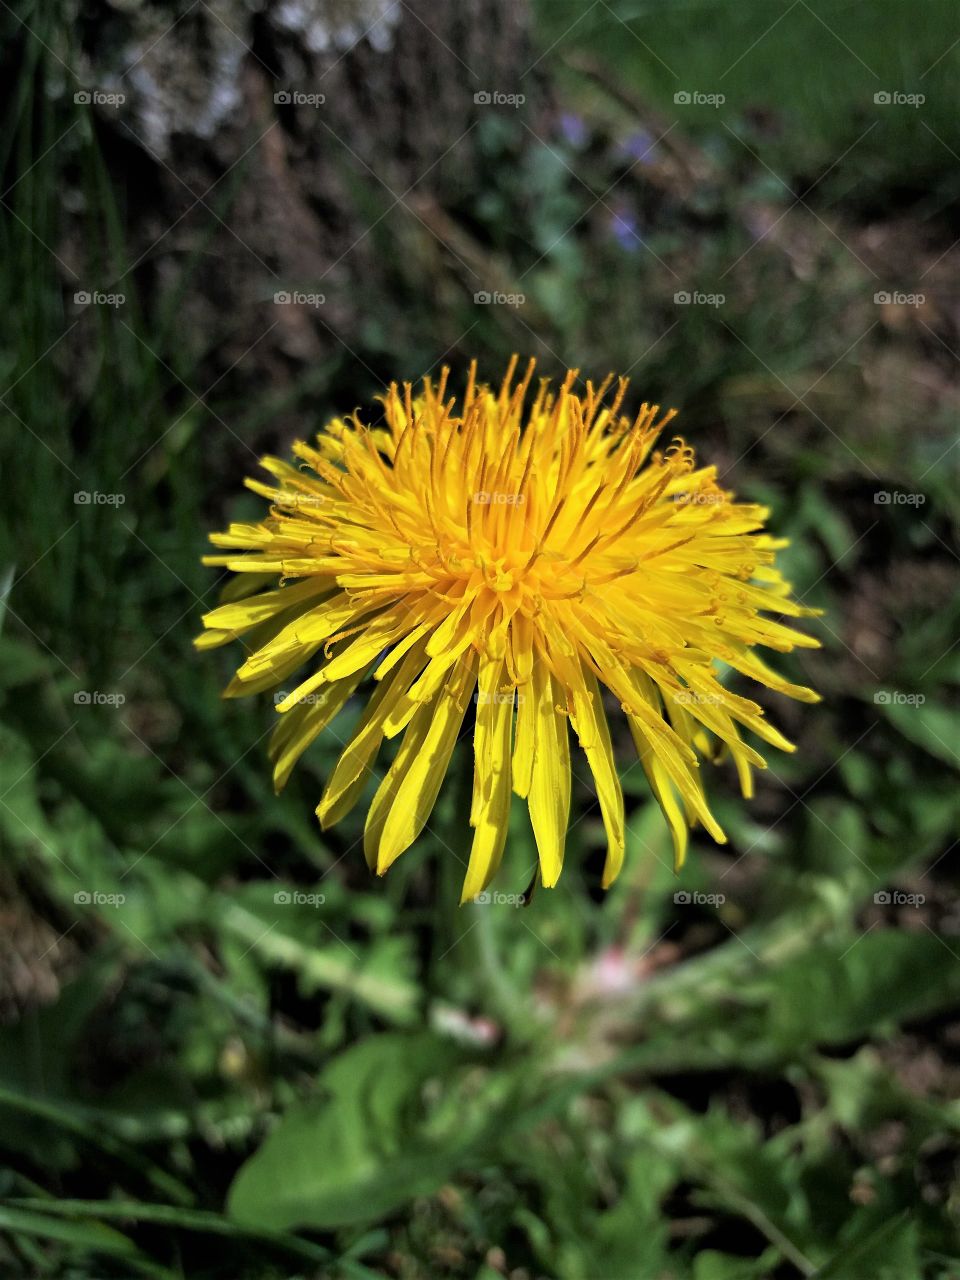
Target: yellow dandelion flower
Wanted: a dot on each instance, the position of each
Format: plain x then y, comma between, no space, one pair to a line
521,559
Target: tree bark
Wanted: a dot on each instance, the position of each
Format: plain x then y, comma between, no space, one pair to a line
274,147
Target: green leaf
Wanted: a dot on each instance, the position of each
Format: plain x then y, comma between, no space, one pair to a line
934,728
367,1146
379,978
711,1265
88,1235
887,1251
842,991
66,1211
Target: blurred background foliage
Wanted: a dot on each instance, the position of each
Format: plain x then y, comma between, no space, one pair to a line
224,1050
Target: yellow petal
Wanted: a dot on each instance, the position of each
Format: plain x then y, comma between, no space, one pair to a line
310,628
490,815
303,723
242,615
407,794
354,766
525,741
590,722
212,639
664,795
372,640
271,676
549,799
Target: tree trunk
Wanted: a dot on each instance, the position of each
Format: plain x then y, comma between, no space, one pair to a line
313,149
